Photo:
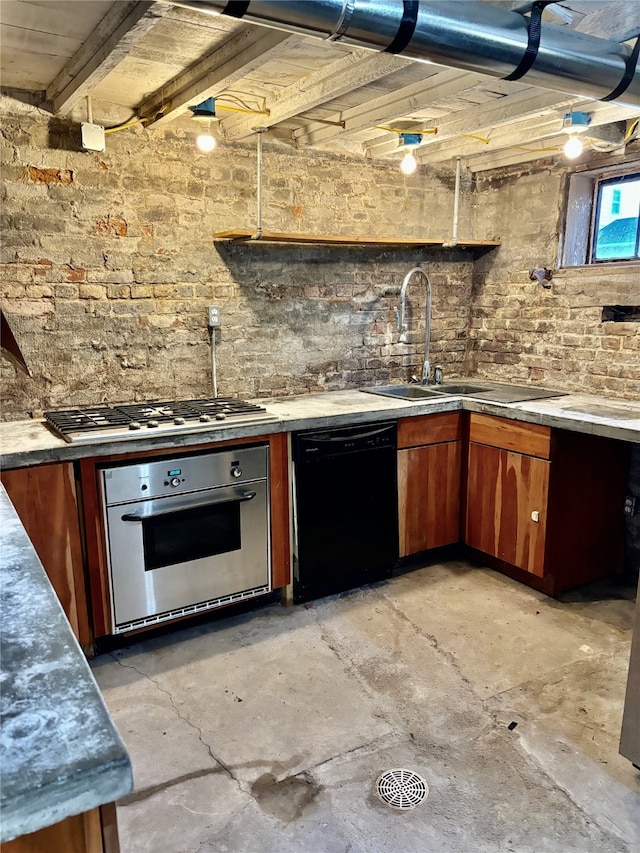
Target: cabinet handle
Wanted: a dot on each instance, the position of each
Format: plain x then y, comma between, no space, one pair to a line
535,516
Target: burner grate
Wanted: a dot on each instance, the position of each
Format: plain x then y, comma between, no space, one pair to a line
123,421
162,411
228,405
85,420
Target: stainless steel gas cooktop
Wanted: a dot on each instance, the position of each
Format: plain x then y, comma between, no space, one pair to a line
110,423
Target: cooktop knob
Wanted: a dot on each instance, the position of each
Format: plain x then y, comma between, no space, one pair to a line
175,481
178,420
134,425
236,471
221,416
152,424
205,418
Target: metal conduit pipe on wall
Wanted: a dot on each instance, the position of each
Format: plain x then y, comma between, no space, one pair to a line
457,33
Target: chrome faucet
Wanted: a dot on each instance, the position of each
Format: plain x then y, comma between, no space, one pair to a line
403,325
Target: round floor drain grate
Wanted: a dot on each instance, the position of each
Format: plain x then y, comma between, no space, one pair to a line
401,789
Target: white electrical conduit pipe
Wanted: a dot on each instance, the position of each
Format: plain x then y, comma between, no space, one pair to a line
214,372
456,209
465,34
258,234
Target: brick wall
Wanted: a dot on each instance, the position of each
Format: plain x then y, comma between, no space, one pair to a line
108,267
523,332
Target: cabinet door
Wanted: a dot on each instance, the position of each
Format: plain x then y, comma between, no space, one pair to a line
45,500
95,831
429,497
507,506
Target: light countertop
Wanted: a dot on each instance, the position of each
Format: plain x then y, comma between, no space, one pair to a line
31,442
60,752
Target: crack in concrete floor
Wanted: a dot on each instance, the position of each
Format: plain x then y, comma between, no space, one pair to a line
181,716
449,728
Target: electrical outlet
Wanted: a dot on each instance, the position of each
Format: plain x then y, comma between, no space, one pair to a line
214,317
630,505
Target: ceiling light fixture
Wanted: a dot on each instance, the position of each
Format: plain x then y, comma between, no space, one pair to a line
204,114
574,124
409,164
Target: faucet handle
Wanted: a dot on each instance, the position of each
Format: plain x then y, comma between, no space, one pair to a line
437,374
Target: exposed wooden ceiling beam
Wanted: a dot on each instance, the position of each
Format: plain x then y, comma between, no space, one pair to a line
506,157
531,102
239,56
352,71
522,135
414,98
111,41
607,19
614,21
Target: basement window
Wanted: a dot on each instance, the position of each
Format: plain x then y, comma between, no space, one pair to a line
621,314
602,218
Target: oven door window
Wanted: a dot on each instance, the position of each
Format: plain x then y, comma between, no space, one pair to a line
191,534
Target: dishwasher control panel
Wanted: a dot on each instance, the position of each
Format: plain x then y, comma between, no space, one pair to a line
351,439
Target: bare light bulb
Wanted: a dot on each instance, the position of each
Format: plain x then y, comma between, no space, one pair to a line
205,143
573,147
409,164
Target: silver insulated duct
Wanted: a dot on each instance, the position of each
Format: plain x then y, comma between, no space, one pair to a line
461,34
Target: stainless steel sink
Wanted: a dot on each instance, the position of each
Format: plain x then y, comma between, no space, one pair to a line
458,388
495,392
490,392
403,392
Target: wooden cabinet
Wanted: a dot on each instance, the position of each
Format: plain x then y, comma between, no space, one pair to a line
45,499
95,831
507,506
429,456
545,505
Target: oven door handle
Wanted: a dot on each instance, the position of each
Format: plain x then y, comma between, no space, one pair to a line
237,496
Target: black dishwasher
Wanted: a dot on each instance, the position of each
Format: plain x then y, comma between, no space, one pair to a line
346,509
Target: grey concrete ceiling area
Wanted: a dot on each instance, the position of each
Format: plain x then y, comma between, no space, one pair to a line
128,60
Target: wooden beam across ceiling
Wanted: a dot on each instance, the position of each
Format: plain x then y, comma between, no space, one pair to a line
245,51
352,71
111,41
614,21
414,98
529,103
524,135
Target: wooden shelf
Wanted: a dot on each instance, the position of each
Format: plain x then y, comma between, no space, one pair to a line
243,235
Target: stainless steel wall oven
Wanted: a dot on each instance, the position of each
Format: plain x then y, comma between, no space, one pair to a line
185,534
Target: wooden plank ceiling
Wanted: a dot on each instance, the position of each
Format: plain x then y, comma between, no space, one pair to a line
154,60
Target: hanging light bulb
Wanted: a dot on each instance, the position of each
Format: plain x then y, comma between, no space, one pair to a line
574,123
204,114
573,147
206,142
409,164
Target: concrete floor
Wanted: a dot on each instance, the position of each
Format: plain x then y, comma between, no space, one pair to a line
265,733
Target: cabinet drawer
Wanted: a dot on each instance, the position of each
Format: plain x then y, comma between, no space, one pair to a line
429,429
530,439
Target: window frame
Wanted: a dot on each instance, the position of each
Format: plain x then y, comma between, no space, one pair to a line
578,216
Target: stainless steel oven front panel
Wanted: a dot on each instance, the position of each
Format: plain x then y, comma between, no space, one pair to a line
183,550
